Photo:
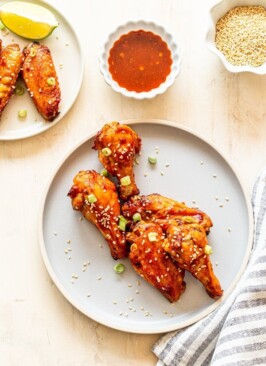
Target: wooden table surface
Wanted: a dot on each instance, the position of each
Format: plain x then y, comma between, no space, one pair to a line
38,326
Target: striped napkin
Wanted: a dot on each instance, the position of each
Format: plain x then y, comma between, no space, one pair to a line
235,333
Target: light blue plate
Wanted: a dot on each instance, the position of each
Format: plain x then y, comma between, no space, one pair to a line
189,169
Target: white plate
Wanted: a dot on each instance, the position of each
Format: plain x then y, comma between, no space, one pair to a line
197,174
67,56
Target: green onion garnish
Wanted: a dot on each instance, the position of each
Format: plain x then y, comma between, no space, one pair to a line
119,268
125,181
136,217
106,151
91,198
152,160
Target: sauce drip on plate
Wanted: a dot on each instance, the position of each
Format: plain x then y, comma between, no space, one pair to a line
140,61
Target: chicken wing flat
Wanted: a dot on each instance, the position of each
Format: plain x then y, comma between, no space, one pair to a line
151,262
96,197
117,145
41,80
155,207
10,63
186,245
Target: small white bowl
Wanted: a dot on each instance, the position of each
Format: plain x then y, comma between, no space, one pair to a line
146,26
216,12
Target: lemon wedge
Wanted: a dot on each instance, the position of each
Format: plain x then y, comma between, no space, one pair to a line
28,20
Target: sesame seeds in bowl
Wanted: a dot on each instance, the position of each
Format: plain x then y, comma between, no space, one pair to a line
140,60
237,35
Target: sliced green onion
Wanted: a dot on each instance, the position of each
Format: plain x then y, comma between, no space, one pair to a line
106,151
104,172
125,181
136,217
91,198
119,268
208,249
19,90
33,54
152,236
152,160
51,81
122,223
1,26
22,113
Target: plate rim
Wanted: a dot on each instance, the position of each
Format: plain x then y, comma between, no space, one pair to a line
49,125
159,329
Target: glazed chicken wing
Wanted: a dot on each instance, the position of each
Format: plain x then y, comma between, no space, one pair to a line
155,207
95,196
117,145
41,80
186,231
10,63
151,262
188,246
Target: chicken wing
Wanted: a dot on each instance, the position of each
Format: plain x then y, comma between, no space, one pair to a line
117,145
96,197
187,245
155,207
186,231
41,80
10,63
151,262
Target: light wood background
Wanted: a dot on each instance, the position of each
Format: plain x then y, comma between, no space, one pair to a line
37,324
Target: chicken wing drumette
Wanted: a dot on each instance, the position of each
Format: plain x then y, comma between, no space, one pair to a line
10,63
117,145
151,262
95,196
188,246
154,207
40,77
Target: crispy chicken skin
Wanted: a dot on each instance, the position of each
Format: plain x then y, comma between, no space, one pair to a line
154,207
38,68
151,262
10,63
123,143
104,212
186,245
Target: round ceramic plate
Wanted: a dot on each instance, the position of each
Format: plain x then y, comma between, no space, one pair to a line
66,52
77,257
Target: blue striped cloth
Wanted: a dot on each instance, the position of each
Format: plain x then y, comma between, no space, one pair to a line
235,333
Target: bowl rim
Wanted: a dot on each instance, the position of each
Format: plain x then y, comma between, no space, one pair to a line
211,30
148,26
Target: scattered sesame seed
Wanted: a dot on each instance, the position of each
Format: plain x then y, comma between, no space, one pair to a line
69,257
145,175
69,241
214,175
162,173
88,295
99,278
167,165
129,285
229,229
55,233
227,199
221,205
